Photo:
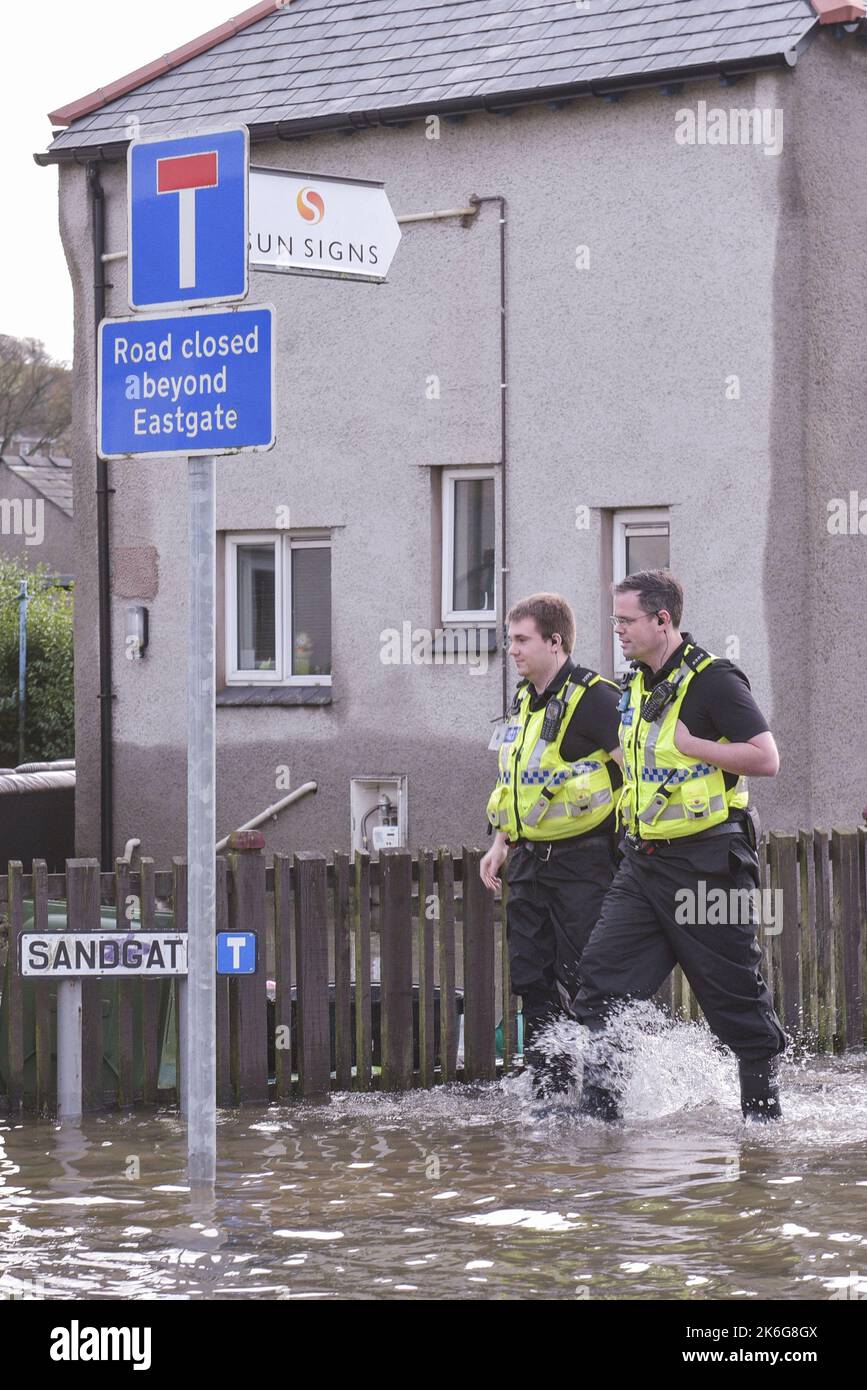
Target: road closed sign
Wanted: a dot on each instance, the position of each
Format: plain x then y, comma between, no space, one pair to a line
66,955
200,382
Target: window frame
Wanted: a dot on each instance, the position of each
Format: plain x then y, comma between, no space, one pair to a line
283,545
622,519
449,615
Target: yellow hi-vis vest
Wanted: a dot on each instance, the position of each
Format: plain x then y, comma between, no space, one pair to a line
667,794
538,796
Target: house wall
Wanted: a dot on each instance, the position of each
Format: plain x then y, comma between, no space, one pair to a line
706,263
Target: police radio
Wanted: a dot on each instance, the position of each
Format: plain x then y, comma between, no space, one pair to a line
553,714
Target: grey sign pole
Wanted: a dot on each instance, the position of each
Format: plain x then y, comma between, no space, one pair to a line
198,1057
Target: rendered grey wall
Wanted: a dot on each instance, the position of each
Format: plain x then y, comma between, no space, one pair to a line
617,398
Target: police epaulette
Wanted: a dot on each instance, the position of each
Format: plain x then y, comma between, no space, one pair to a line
695,657
583,676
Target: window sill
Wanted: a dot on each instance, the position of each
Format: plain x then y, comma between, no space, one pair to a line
274,695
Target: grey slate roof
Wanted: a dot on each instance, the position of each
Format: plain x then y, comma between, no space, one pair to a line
52,481
317,61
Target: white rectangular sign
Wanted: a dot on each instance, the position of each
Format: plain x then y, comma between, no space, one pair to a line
320,225
69,954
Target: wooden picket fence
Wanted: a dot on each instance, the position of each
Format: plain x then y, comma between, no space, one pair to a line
439,937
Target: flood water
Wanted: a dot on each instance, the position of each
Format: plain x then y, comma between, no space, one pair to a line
462,1193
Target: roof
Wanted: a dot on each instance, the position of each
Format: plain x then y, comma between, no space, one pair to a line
49,477
313,64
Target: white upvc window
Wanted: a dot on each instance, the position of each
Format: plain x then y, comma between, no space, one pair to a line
641,540
469,590
278,609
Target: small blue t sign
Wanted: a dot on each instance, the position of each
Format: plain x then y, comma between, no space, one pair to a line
236,953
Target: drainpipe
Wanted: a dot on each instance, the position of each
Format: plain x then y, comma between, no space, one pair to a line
103,492
504,566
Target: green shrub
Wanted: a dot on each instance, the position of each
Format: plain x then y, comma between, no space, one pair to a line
49,730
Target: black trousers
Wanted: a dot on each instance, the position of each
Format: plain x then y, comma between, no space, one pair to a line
552,909
641,935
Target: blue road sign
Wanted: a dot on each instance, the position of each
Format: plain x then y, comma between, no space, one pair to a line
236,953
184,384
188,220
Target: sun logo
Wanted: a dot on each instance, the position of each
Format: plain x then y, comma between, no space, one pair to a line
311,205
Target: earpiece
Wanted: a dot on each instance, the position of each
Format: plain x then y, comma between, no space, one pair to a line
659,622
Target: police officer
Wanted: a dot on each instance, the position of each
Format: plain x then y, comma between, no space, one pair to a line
554,801
690,733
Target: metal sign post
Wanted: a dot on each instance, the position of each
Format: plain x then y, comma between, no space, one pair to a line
200,1062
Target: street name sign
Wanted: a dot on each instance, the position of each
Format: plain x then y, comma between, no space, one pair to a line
320,225
71,953
197,383
187,219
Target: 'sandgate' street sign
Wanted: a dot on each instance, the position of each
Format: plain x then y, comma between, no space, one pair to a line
200,382
188,219
70,953
321,225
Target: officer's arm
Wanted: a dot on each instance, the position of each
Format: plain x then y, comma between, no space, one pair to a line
616,754
756,758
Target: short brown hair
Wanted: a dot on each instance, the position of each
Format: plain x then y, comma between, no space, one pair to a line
550,613
656,589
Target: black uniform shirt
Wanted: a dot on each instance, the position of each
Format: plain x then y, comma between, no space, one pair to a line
718,702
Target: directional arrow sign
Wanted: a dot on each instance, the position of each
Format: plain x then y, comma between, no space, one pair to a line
320,225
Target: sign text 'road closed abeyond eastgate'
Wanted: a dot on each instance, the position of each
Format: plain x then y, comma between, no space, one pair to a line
200,382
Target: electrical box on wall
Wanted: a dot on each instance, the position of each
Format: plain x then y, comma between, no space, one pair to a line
378,812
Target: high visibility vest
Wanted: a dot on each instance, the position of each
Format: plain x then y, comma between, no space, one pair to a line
538,795
667,794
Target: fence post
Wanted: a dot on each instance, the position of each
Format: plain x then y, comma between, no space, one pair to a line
448,1014
480,1062
42,1003
395,944
15,991
180,907
342,973
223,1041
363,1028
311,967
151,991
247,993
825,928
428,905
844,854
783,856
283,971
809,984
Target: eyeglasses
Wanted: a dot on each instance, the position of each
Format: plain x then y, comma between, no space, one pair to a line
627,622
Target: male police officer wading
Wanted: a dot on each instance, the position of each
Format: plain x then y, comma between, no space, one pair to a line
690,733
554,802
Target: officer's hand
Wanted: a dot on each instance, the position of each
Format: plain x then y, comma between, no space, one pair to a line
684,741
490,866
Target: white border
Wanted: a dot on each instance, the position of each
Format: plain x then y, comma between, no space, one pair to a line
451,615
174,453
632,516
179,140
283,546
